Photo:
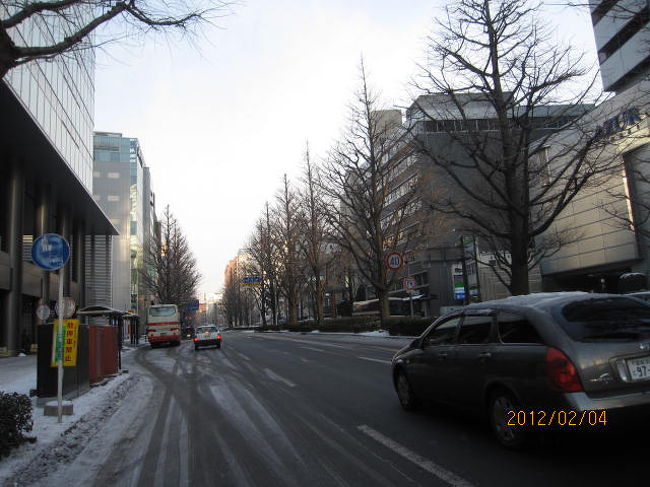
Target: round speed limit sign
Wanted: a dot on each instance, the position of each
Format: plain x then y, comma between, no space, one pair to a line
394,261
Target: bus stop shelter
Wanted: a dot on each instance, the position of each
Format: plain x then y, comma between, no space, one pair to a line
104,341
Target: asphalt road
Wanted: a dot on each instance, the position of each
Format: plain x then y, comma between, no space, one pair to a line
307,410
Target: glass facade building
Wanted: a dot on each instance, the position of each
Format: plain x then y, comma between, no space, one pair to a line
59,95
122,187
46,162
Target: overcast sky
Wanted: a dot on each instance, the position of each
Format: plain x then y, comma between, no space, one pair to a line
222,118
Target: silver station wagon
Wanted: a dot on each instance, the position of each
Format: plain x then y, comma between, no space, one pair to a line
534,362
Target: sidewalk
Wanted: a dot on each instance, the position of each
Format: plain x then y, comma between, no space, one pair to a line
18,374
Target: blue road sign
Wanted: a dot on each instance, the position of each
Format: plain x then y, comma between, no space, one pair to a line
192,305
251,280
50,251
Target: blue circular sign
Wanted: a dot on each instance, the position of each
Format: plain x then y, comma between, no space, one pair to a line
50,251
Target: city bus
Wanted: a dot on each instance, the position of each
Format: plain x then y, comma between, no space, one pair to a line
163,325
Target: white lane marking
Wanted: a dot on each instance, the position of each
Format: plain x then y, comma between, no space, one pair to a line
375,360
316,349
276,377
385,349
431,467
311,342
244,357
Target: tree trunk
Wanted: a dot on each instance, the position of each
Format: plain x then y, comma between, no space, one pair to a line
384,307
519,254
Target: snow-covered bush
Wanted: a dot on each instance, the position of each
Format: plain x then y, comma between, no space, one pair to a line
15,420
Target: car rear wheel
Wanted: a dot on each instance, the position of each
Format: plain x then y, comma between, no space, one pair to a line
501,405
407,397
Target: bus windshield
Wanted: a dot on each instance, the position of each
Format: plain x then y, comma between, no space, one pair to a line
158,311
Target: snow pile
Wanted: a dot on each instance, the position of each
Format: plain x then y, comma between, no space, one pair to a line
62,442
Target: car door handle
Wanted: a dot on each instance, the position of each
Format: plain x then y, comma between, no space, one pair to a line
484,355
443,355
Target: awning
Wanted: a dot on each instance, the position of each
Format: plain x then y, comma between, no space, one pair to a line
98,310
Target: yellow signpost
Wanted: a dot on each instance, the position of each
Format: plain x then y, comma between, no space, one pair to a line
69,346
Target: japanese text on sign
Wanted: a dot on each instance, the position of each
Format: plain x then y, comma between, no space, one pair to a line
69,345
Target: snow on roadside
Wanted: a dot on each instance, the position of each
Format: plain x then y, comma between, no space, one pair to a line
61,442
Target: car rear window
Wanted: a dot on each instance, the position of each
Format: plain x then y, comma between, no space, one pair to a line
614,318
514,328
208,329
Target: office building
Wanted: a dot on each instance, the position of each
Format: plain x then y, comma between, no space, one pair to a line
622,33
610,219
442,252
45,184
122,187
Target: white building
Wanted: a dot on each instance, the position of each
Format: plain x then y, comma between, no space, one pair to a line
622,40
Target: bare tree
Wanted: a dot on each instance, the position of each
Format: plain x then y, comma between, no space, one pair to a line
314,241
504,184
71,25
231,298
263,256
170,268
255,267
366,207
286,236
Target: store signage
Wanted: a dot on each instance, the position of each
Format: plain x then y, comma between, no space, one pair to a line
617,124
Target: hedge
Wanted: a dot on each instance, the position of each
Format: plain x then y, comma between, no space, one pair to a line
15,419
360,324
408,326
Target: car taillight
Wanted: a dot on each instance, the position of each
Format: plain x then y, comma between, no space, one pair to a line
561,371
176,329
196,339
219,337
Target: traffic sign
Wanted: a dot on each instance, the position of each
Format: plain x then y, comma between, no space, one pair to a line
251,280
50,251
394,261
69,307
43,312
192,305
409,283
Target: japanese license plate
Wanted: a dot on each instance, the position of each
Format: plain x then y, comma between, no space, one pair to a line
639,368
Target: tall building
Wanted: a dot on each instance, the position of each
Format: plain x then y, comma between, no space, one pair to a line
622,33
611,219
46,182
122,187
445,261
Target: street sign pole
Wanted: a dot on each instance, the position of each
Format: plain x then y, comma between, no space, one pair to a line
51,251
59,348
